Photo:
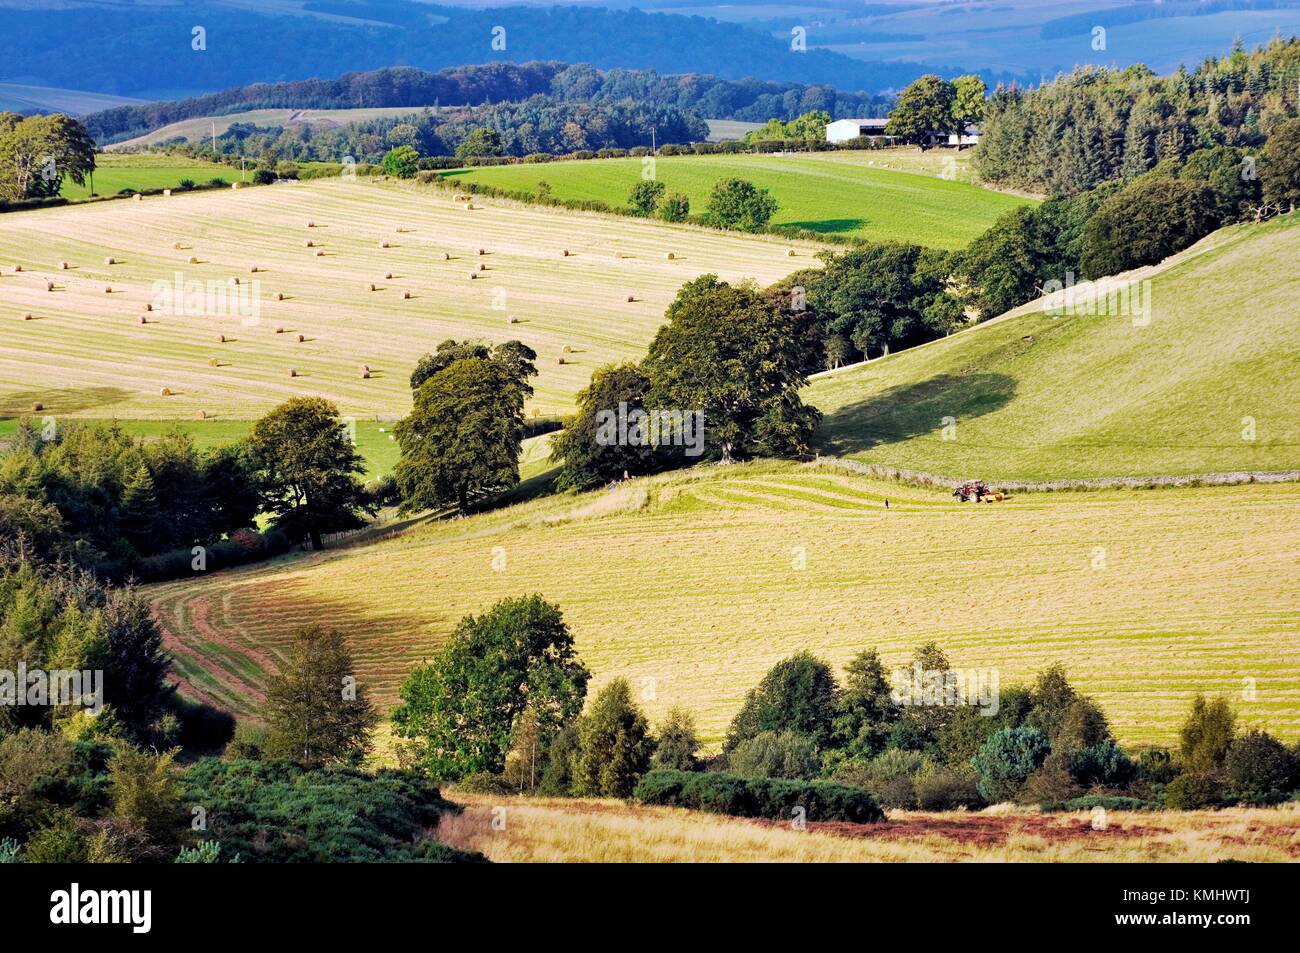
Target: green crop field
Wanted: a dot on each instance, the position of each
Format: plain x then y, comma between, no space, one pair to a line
116,172
692,585
865,194
1208,385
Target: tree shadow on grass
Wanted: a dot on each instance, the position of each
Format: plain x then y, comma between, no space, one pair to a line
910,410
67,400
829,225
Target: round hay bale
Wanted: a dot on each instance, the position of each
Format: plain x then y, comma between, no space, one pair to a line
559,360
473,275
670,256
568,349
194,260
279,329
365,375
108,289
293,372
482,267
37,407
110,260
49,286
301,338
236,185
178,246
200,415
279,296
148,306
446,257
319,253
137,197
213,362
383,244
469,206
388,276
482,251
234,281
165,392
371,286
310,223
63,266
143,319
253,269
406,295
310,244
221,339
366,368
512,320
27,316
789,253
17,268
167,193
631,298
565,253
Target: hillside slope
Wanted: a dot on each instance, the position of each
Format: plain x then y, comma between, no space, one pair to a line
1038,397
692,585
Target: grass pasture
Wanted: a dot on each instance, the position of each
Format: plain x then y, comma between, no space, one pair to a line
693,585
201,127
85,353
881,196
551,830
1037,397
113,173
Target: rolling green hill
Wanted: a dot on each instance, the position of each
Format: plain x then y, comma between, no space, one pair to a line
1037,397
834,193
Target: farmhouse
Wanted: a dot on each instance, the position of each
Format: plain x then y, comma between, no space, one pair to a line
842,130
969,136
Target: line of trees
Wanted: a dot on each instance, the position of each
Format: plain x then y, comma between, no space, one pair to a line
703,95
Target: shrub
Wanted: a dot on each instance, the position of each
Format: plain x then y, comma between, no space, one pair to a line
401,162
675,207
1259,769
1007,759
1192,792
676,747
1105,764
739,204
776,754
645,196
943,789
1109,803
1279,171
264,176
890,777
772,798
249,742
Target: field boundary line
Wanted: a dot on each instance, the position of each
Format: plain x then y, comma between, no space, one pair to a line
921,478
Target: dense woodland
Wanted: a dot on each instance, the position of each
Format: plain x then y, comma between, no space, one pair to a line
704,95
1093,125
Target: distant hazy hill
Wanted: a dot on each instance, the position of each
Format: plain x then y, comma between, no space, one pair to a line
112,47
